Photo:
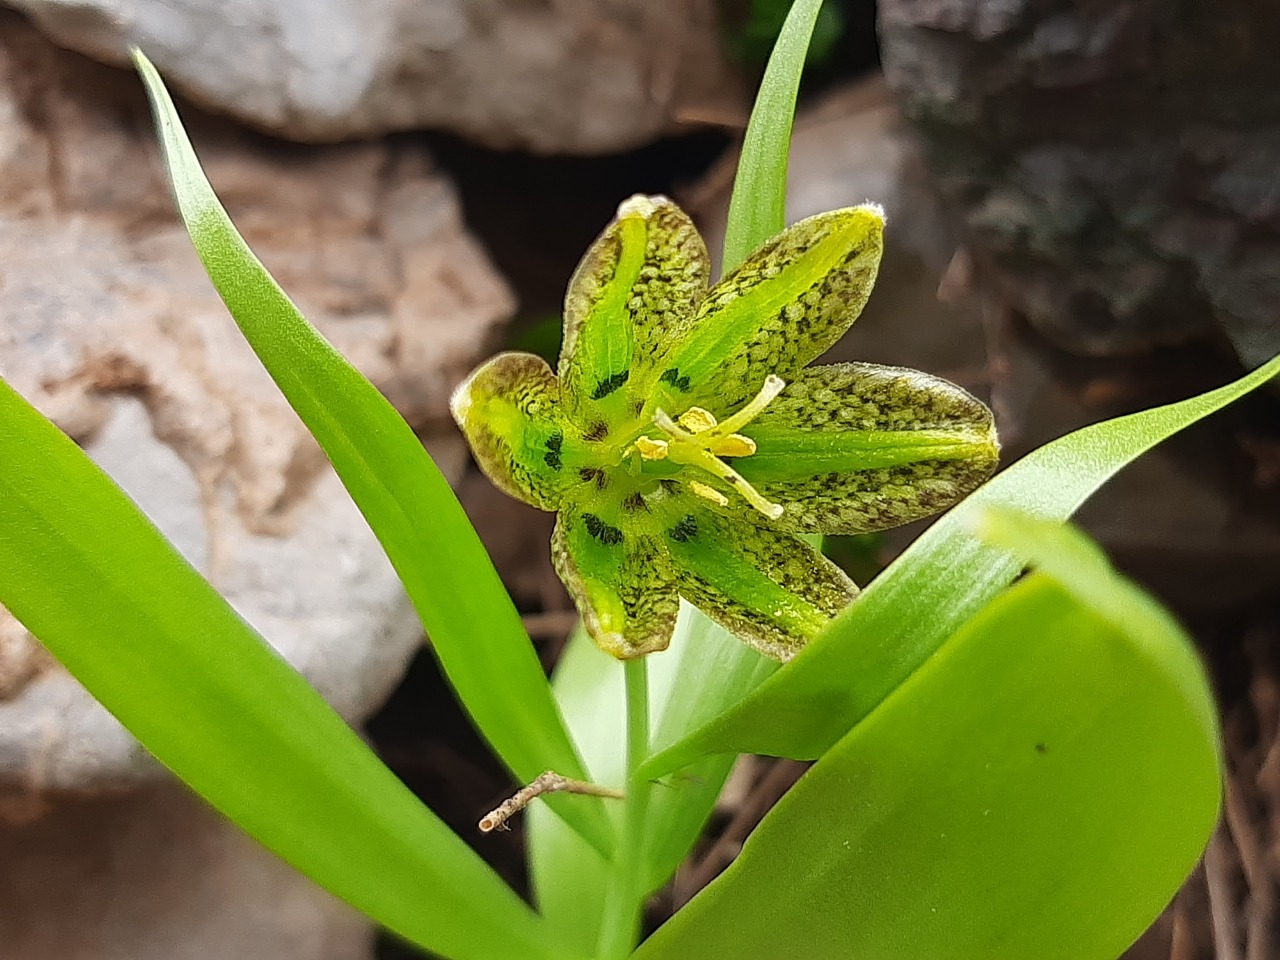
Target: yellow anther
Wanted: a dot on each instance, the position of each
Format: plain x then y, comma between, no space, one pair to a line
697,420
709,493
734,445
651,449
696,439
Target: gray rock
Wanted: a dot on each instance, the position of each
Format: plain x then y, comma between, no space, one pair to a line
1112,164
158,876
579,76
109,326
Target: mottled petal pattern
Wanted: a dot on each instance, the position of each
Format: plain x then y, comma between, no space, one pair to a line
684,445
619,578
769,589
511,413
856,447
783,307
633,294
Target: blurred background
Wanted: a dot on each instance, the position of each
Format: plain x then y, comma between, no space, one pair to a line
1084,220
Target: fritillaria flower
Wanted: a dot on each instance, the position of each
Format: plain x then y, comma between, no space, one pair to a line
685,443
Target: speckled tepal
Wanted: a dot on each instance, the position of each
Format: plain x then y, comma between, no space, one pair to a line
684,442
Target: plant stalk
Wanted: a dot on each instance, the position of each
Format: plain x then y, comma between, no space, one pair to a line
620,931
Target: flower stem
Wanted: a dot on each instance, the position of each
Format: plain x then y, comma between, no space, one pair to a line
625,900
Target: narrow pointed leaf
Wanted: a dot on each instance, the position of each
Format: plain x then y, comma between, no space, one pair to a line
942,579
1040,788
758,207
101,588
475,630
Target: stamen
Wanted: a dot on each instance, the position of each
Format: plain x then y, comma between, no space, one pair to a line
716,467
773,385
734,445
651,449
709,493
697,420
698,440
663,421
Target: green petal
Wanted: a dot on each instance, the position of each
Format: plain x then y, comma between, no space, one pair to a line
786,304
510,411
856,447
633,294
771,590
619,578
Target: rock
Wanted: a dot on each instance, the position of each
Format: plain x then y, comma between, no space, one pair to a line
158,876
1112,164
109,326
571,77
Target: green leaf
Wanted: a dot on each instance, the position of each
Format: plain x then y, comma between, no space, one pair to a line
757,209
474,628
1039,788
87,574
941,580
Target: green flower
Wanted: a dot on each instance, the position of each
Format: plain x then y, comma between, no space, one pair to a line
684,443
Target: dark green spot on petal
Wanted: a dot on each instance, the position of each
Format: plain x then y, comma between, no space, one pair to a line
674,378
609,384
685,530
609,536
555,443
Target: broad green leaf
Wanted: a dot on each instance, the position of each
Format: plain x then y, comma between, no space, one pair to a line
87,574
1039,788
944,578
475,630
757,209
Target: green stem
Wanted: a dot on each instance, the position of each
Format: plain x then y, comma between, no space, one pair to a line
620,931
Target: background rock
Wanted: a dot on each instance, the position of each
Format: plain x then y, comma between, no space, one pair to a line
1113,164
158,876
580,76
108,324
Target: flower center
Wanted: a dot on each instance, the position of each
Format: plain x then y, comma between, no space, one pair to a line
697,439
